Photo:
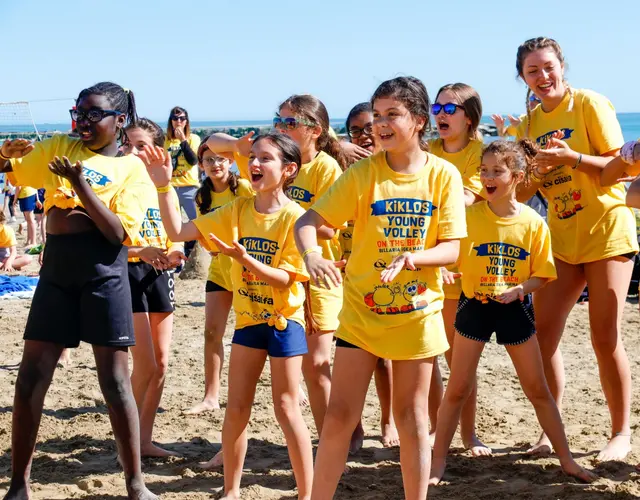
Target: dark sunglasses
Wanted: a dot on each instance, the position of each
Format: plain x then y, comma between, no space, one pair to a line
93,115
356,132
179,118
448,108
290,123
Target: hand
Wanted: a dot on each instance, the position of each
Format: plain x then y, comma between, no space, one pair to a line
176,258
16,148
243,145
556,153
449,278
155,256
323,272
514,121
511,295
64,168
38,204
499,121
179,133
236,251
402,261
354,152
40,258
158,163
7,266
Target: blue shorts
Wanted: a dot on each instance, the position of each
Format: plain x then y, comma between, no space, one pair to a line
27,204
279,344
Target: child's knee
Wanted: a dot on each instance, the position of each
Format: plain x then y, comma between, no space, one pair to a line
538,393
286,408
605,339
237,411
340,414
457,395
115,388
213,333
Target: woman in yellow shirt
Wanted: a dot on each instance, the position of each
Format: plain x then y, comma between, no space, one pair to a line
592,230
220,187
93,207
408,211
268,297
182,146
305,119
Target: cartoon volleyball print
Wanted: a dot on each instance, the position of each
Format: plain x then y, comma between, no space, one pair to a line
397,298
568,203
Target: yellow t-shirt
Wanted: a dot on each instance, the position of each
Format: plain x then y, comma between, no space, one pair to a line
313,180
467,161
500,253
119,182
394,213
7,236
26,191
269,239
183,173
588,222
220,267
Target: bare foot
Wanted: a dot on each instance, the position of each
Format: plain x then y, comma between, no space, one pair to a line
617,449
542,448
390,436
437,470
574,470
357,439
477,447
65,358
302,397
231,496
214,463
140,492
18,492
151,450
202,407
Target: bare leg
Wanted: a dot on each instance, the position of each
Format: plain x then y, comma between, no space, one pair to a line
144,360
384,386
608,282
217,307
316,367
31,228
39,360
436,392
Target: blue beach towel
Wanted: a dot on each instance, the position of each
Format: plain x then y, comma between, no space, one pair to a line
17,287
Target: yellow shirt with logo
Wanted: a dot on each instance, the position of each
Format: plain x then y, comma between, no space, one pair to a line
394,213
7,236
313,180
183,173
467,161
26,191
588,222
269,239
118,182
503,252
220,267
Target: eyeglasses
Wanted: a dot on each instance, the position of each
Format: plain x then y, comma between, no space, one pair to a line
179,118
214,160
448,108
93,115
356,132
291,123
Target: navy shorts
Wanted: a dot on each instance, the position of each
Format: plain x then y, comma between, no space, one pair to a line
214,287
512,323
291,341
83,293
151,291
27,204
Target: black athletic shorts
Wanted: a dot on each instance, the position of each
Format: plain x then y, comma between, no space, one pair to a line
83,293
214,287
151,291
513,323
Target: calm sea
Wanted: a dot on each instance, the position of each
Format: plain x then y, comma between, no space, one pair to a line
630,123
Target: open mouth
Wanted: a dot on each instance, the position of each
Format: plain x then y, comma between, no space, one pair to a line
491,189
368,144
85,135
443,126
545,87
256,176
385,136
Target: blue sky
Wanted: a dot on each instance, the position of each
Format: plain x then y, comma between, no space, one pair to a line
234,60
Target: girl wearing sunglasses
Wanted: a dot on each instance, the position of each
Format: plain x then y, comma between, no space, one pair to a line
182,146
94,209
305,119
457,112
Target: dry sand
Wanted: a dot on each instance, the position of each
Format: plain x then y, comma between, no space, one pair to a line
75,455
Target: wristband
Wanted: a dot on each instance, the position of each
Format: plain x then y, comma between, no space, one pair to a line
626,152
3,157
535,176
578,161
311,250
164,189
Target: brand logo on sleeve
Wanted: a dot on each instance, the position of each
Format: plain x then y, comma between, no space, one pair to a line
544,139
93,177
300,194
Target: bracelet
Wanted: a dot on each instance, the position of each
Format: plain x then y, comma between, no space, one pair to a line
3,157
535,177
316,249
578,162
626,152
164,189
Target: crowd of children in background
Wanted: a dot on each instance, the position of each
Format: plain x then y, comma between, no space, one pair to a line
397,248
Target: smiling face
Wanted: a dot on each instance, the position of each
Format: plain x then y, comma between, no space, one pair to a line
267,171
543,72
451,126
136,140
497,179
304,135
97,135
394,127
359,124
216,167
